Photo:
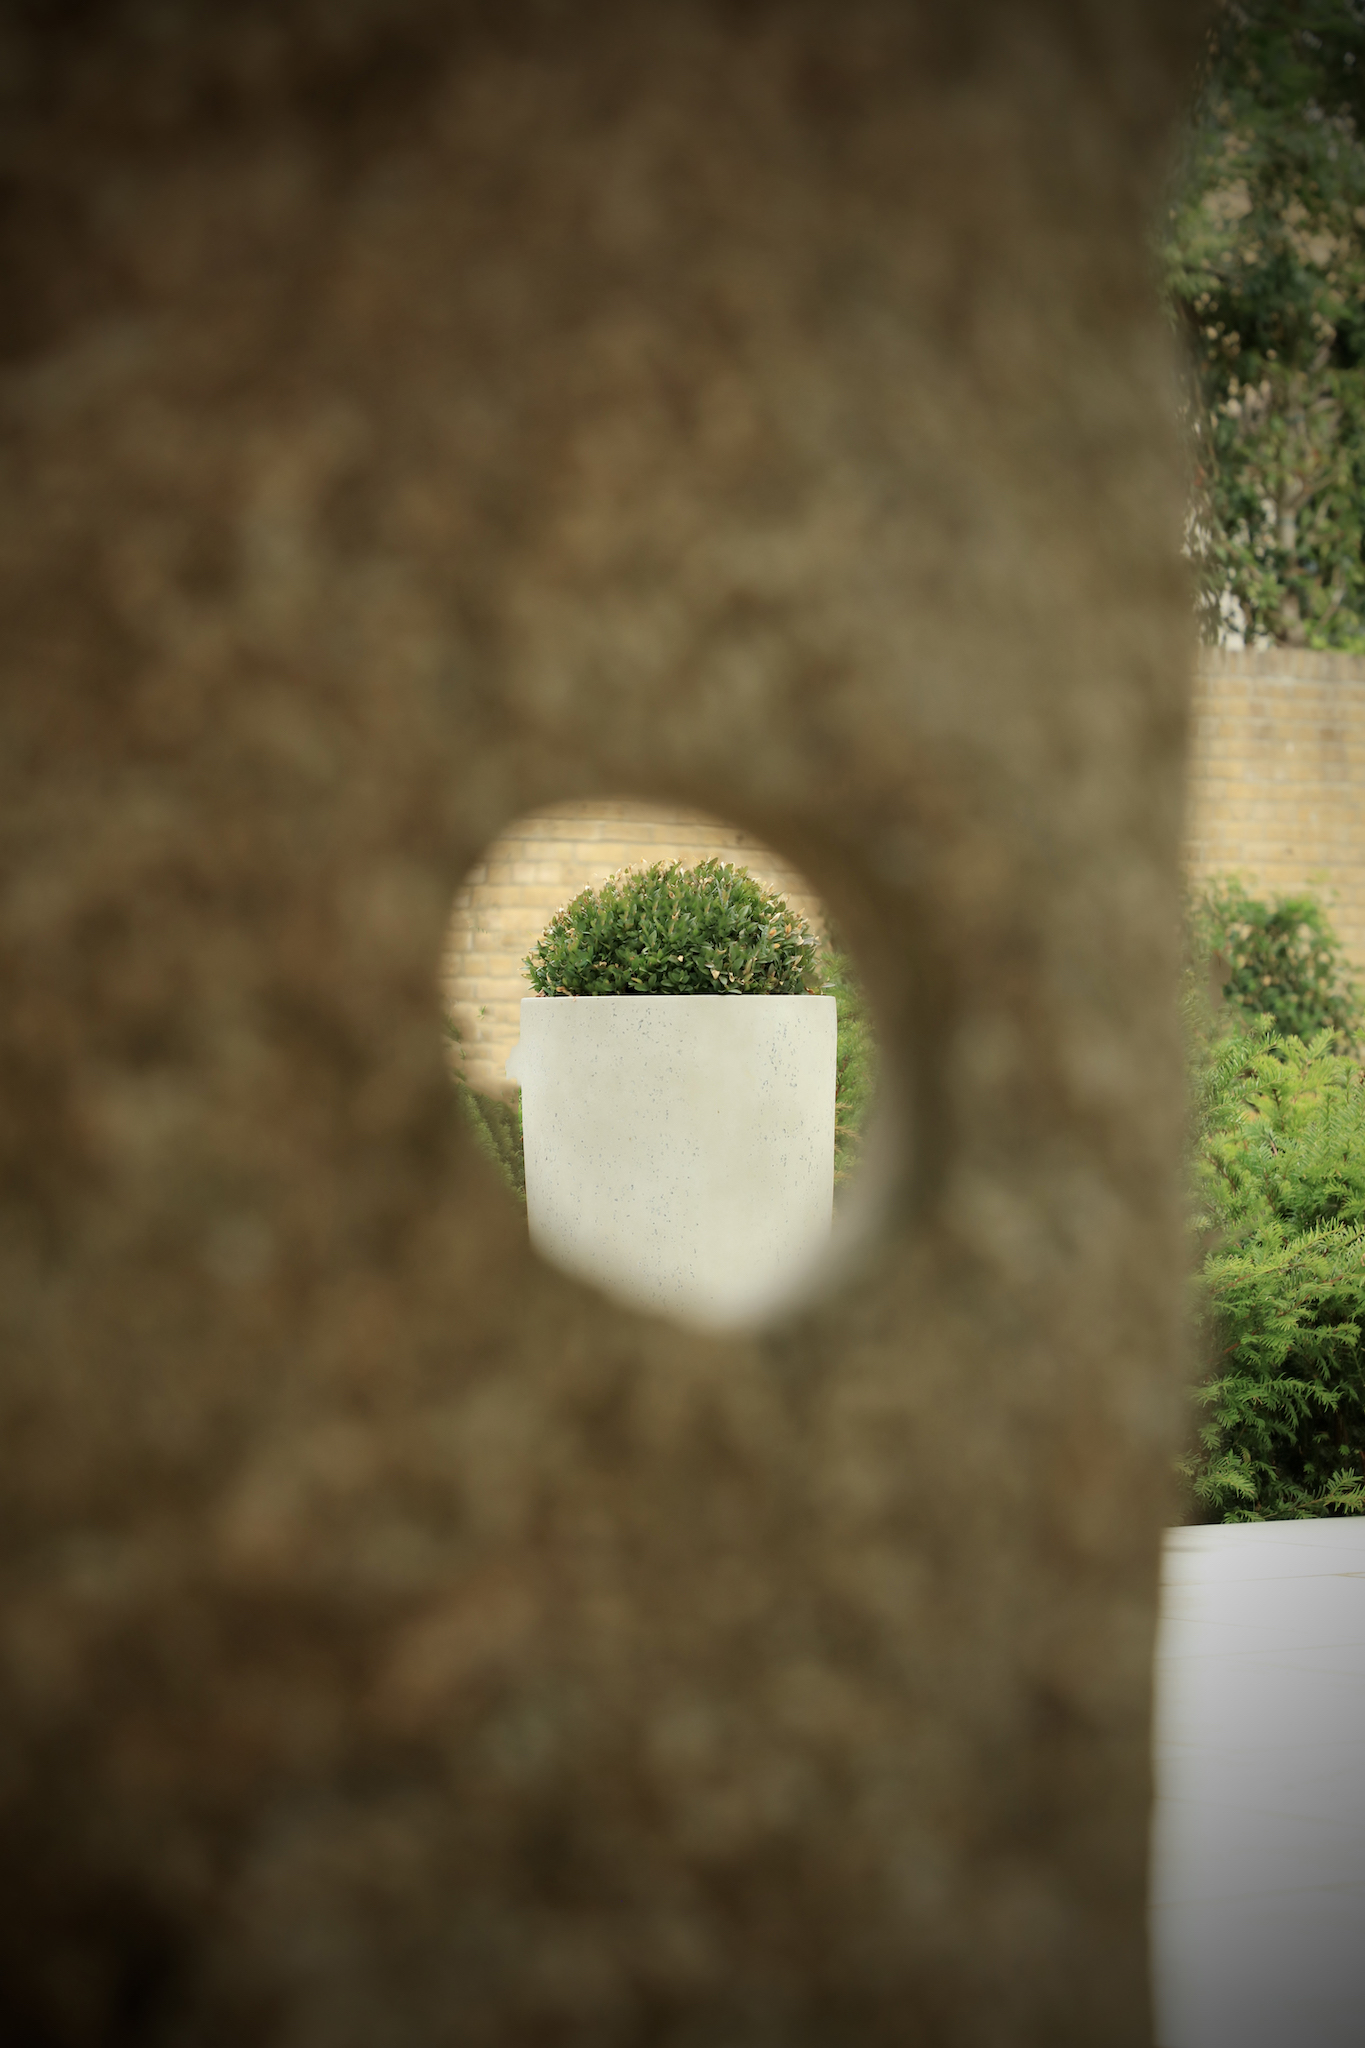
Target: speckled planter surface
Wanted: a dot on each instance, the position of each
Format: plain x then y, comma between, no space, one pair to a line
680,1149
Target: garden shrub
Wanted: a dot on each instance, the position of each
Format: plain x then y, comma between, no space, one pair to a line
855,1076
670,930
1279,1182
1283,961
497,1133
1280,1189
495,1126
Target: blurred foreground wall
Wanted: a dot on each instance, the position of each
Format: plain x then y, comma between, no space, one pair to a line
417,414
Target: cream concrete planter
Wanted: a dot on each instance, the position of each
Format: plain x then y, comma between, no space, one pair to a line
680,1149
1258,1831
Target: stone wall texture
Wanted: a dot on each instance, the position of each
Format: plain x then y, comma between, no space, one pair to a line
1277,778
418,413
534,867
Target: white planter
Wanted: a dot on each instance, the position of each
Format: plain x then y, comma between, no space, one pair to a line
680,1149
1258,1836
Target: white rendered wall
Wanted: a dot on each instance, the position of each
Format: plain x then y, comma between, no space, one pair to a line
680,1149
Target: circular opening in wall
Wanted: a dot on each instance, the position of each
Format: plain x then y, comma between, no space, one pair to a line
665,1055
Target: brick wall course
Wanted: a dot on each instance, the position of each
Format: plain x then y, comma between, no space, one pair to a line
1276,789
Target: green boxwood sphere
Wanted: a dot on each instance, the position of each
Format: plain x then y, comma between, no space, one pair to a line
669,930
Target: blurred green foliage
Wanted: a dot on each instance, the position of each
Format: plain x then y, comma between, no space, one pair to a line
1264,258
855,1061
1280,960
497,1133
495,1125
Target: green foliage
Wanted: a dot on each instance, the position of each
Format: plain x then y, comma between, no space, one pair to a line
1283,961
1280,1187
1265,272
855,1076
494,1125
669,930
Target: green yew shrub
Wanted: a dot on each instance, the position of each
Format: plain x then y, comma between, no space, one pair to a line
1278,1167
494,1125
1280,1194
855,1070
669,930
497,1133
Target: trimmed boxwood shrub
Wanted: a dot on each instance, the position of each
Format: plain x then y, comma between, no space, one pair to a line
670,930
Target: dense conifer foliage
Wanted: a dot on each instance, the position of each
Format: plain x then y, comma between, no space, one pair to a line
1279,1210
855,1077
1280,1179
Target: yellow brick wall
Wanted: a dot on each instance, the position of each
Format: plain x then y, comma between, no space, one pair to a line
534,868
1277,778
1276,794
